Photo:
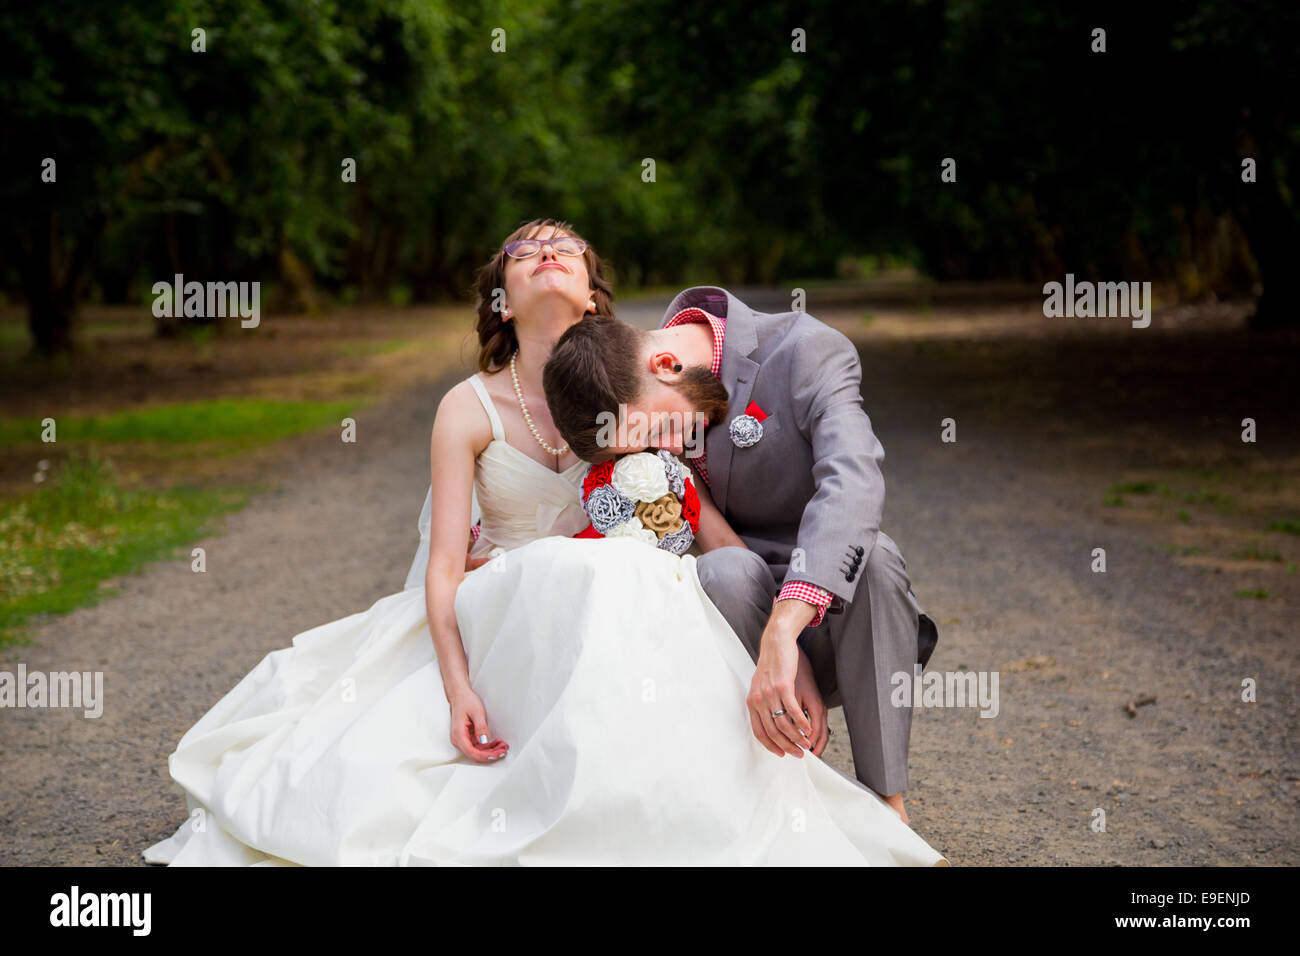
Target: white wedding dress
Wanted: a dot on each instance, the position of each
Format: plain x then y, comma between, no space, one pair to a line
618,686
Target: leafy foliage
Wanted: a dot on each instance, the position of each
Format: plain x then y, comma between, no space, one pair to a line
769,162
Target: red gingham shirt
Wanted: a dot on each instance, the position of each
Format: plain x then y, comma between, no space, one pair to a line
818,597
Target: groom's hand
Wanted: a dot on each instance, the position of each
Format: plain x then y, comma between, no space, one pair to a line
810,699
773,687
472,562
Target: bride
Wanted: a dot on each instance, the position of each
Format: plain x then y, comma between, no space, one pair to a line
567,701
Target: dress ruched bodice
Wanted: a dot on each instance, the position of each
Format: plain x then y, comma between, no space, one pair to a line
520,499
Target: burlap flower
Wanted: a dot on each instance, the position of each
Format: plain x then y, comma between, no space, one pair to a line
662,516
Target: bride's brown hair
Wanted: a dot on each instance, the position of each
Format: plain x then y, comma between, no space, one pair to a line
496,339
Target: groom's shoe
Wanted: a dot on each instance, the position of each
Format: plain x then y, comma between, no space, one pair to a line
928,638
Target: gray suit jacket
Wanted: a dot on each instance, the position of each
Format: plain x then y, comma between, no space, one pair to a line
813,481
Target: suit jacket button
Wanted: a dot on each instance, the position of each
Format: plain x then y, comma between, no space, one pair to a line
851,575
858,549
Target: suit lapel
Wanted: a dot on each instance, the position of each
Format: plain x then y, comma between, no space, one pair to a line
738,372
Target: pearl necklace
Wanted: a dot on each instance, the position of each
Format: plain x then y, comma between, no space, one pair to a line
523,407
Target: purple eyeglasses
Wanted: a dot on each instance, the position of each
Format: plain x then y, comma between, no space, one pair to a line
527,248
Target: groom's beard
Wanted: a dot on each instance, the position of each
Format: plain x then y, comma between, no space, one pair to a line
705,392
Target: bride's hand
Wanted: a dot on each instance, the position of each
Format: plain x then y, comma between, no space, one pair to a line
469,729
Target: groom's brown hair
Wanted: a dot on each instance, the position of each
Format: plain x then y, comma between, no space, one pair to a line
595,367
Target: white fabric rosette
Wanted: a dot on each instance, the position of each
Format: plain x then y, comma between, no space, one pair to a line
640,477
633,528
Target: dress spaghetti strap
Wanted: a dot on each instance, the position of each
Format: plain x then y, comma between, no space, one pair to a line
498,432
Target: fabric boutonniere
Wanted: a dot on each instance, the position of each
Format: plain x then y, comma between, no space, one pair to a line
747,429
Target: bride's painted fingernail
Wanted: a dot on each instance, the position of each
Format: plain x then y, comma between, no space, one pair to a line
482,738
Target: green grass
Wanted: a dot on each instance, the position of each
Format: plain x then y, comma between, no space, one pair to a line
1257,552
1221,502
1286,526
234,422
1257,594
1115,496
59,543
1203,474
1138,488
1181,549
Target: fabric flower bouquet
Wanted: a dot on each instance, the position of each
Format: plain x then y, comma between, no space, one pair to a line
647,496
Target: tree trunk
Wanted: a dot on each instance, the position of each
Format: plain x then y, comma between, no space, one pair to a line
1271,227
53,288
50,323
1275,242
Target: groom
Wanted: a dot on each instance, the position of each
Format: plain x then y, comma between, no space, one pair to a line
820,595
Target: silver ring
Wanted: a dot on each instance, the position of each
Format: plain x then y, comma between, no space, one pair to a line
778,713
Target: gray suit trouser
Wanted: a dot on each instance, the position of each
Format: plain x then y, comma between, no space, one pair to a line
853,654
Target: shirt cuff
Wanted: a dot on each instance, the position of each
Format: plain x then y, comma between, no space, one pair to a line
475,530
819,598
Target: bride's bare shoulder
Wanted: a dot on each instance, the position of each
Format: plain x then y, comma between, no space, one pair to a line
461,415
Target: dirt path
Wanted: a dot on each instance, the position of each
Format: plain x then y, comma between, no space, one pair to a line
997,528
